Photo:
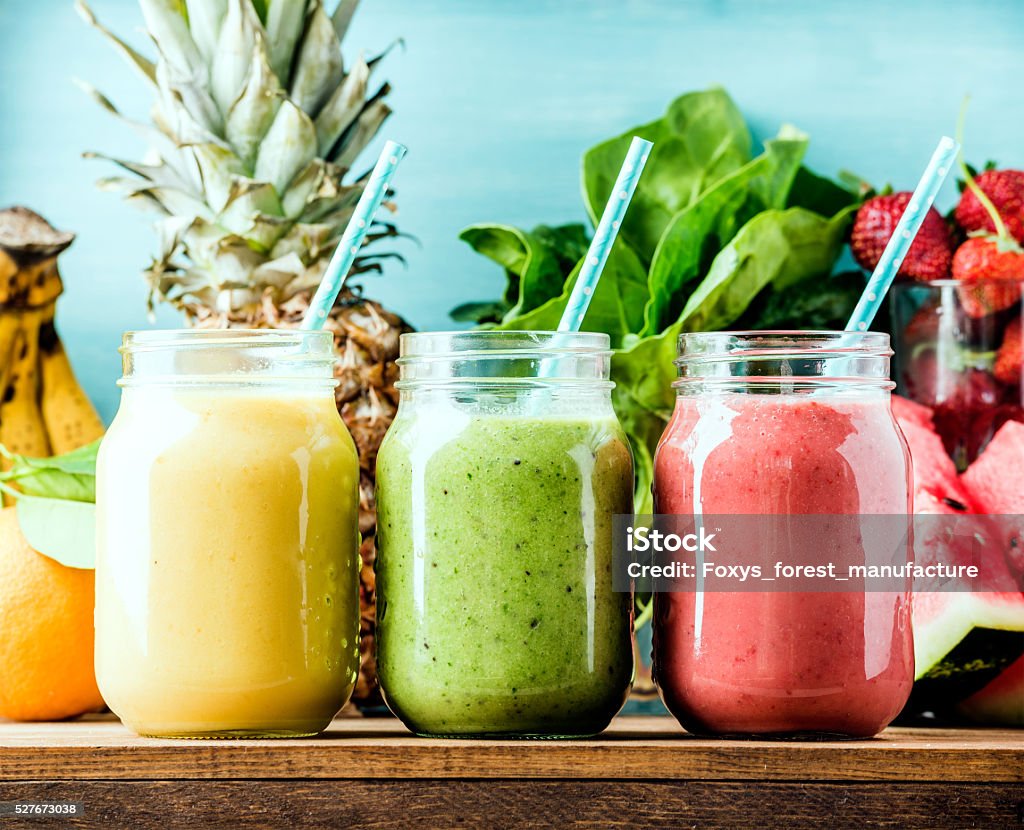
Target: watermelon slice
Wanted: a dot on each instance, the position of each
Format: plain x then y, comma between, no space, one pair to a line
963,641
994,481
1001,701
908,411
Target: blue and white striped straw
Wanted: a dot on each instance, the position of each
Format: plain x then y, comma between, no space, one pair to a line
903,237
604,236
358,226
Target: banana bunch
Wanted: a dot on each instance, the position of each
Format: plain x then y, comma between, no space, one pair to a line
43,410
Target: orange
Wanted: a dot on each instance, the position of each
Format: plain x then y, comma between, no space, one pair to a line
46,632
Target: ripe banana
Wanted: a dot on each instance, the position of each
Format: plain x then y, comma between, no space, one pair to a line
10,324
69,416
21,422
42,407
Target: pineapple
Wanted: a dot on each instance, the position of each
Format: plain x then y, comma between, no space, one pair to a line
255,125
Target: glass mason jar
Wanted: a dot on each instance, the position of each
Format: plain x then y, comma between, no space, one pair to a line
958,351
794,426
227,537
496,488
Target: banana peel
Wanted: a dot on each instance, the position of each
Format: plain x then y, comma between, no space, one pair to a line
43,410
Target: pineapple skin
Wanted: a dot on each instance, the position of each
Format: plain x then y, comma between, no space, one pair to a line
366,338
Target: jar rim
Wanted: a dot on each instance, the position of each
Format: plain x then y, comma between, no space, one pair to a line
706,346
505,359
789,359
231,357
154,339
419,345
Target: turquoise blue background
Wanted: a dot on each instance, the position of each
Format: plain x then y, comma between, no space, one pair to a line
497,101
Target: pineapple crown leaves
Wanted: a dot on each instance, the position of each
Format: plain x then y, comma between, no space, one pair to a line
255,125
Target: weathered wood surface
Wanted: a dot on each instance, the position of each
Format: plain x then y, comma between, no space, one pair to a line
642,772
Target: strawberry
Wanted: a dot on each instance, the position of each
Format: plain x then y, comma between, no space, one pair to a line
1005,189
923,327
996,261
1008,368
929,257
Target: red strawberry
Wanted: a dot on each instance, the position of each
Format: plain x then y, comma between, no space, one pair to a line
923,327
996,261
1008,367
929,257
1005,189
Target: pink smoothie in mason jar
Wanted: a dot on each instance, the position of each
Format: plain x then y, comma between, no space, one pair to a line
791,425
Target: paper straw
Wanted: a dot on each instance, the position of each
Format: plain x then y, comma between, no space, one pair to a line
604,236
344,255
903,237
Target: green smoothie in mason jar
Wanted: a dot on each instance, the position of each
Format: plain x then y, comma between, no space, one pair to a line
497,485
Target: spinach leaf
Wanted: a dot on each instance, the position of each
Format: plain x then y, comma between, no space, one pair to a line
776,247
699,231
820,194
69,476
536,262
60,529
482,312
701,138
644,429
820,303
616,307
780,247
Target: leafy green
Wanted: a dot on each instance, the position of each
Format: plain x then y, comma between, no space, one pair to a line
55,502
821,195
701,138
71,476
776,247
699,231
60,529
616,307
536,263
828,306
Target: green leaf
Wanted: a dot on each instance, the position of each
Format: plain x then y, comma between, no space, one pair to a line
287,148
819,303
204,21
616,307
699,231
536,262
284,22
62,530
317,71
144,65
776,247
780,247
71,476
166,23
701,138
644,429
820,194
479,312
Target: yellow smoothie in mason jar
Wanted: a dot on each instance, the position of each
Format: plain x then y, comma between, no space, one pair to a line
227,556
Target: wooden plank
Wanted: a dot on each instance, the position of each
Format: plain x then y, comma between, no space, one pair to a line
651,748
396,805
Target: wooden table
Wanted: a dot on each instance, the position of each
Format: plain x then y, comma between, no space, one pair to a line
643,771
